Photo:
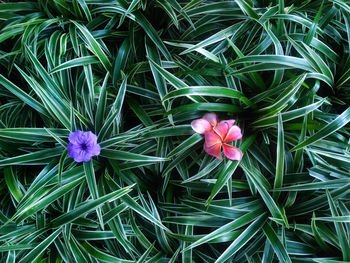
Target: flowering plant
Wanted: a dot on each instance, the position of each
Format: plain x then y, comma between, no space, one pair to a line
82,146
218,134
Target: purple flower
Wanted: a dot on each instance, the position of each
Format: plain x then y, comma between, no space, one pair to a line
82,146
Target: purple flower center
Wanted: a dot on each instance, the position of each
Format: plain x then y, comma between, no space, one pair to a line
83,146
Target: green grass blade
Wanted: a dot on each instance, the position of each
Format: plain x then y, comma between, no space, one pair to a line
242,239
115,111
239,222
276,244
94,46
35,253
330,128
91,181
209,91
76,62
280,158
339,227
88,206
37,157
230,168
19,93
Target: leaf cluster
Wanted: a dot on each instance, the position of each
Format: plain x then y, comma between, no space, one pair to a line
135,73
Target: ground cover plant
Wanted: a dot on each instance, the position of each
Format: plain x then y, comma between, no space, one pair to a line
135,75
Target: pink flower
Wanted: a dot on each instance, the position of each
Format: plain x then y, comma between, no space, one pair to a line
217,135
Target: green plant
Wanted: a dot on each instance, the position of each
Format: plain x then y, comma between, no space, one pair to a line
136,73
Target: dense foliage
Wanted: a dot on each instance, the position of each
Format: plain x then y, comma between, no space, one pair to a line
136,73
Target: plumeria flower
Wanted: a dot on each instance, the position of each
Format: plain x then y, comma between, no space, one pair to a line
217,135
82,146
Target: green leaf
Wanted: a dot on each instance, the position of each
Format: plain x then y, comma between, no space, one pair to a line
36,252
52,86
91,181
132,5
12,183
135,206
95,253
85,8
207,107
88,206
317,235
280,60
32,134
101,105
38,157
276,244
153,54
128,156
186,144
19,93
169,131
280,158
55,104
172,79
330,128
285,96
242,239
209,91
143,22
115,110
341,234
287,116
246,8
237,223
76,62
46,197
94,46
345,219
260,186
229,169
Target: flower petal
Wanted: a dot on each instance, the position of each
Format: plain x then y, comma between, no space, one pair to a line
229,122
221,130
94,149
201,126
87,157
214,150
211,138
233,134
212,118
232,152
82,156
75,137
90,138
73,149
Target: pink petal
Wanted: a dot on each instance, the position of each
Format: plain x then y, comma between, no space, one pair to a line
221,130
233,134
201,126
232,152
229,122
211,138
212,118
214,150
